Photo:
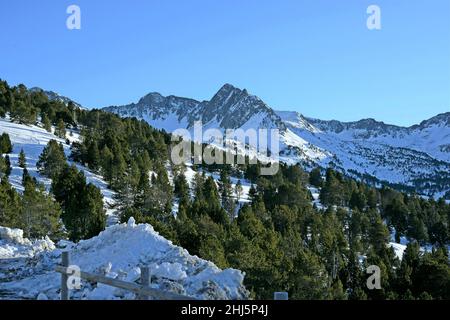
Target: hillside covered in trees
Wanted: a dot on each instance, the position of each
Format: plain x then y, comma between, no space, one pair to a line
280,239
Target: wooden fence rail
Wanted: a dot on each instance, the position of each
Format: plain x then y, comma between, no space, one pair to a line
142,290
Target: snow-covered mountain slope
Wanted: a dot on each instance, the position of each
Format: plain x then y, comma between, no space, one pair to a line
118,252
33,139
418,156
363,151
431,136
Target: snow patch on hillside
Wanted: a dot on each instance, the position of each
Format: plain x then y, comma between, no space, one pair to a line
33,139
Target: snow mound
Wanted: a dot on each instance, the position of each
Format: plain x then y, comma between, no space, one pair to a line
13,236
119,252
14,245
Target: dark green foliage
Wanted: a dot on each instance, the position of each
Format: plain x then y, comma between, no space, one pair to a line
60,129
8,165
22,159
226,192
10,205
181,187
238,190
22,113
52,160
93,156
5,98
35,212
425,275
5,144
40,214
82,204
315,177
26,177
358,200
46,123
332,192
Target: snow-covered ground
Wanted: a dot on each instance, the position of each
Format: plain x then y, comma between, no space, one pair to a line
14,245
33,139
118,252
315,192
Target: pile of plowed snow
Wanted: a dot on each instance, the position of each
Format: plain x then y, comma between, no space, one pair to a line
118,252
14,245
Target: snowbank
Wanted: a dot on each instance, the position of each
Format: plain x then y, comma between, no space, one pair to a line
119,252
14,245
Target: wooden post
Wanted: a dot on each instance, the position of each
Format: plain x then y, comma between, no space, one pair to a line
138,289
65,261
145,281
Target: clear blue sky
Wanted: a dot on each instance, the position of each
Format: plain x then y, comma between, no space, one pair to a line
313,56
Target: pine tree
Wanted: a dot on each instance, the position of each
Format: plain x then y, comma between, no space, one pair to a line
4,90
22,159
26,177
118,169
181,187
10,205
127,188
52,159
238,190
2,167
91,211
93,156
160,198
417,229
372,198
40,213
23,113
143,189
357,200
5,144
106,159
199,182
60,130
8,167
432,277
252,193
332,191
212,204
397,214
378,233
82,204
226,193
46,123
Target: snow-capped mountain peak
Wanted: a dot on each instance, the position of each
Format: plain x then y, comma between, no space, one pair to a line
229,108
